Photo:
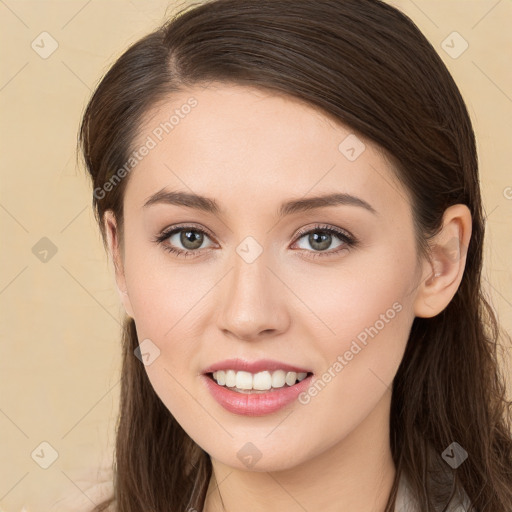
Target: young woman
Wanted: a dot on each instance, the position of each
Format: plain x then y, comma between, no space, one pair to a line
289,191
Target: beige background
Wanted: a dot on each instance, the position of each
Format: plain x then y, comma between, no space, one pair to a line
60,320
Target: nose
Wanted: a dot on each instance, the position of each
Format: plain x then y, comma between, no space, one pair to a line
252,301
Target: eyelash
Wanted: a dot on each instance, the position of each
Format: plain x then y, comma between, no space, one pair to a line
348,240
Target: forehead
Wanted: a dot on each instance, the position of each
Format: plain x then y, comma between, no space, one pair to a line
242,143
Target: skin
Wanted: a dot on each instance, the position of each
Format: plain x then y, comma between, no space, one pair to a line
251,150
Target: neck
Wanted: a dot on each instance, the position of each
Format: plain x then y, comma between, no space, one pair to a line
355,474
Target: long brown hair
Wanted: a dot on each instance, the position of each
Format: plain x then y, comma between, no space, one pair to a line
366,64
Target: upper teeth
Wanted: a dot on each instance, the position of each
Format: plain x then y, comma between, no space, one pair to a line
260,381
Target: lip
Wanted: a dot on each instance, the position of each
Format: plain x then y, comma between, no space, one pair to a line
257,404
260,365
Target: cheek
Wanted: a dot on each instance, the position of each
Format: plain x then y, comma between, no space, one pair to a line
362,318
166,297
355,294
166,301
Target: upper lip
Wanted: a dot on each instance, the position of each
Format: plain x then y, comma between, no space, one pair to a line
253,366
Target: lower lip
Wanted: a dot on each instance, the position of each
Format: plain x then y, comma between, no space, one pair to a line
255,404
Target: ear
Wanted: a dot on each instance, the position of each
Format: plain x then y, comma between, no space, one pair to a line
443,274
117,259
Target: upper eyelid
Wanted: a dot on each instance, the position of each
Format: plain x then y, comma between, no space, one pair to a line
167,232
325,227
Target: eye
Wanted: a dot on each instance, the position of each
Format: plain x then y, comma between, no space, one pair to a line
321,237
190,238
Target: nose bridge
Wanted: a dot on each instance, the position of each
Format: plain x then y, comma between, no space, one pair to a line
251,301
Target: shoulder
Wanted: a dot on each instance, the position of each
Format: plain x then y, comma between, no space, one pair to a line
406,501
89,489
463,504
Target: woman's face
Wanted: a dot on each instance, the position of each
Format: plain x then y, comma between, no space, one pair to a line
262,280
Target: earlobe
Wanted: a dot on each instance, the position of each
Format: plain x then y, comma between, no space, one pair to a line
443,273
116,258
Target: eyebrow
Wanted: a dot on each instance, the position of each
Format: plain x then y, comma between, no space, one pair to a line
292,206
